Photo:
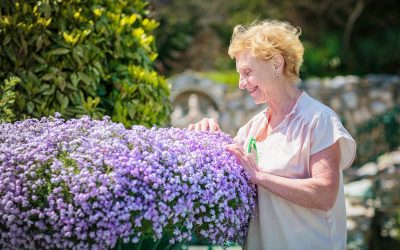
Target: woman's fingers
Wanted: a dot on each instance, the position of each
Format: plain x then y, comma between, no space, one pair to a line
238,151
213,124
247,162
197,126
236,154
234,148
205,124
191,126
244,158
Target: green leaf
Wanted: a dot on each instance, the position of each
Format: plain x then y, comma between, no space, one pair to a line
7,39
85,78
50,91
48,77
30,106
60,81
74,79
57,52
43,87
77,55
39,43
10,53
39,59
40,68
62,99
131,110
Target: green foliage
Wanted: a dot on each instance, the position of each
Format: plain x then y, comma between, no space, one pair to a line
7,98
83,58
378,135
173,39
323,57
386,58
229,77
341,37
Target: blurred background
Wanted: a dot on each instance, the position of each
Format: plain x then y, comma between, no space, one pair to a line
165,63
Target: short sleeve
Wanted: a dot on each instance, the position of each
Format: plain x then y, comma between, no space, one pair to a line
241,135
250,129
328,129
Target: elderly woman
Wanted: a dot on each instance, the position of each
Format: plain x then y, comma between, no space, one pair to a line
294,151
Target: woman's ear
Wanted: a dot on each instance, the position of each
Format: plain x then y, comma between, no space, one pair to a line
279,62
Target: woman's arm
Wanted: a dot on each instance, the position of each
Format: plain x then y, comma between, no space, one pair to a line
318,192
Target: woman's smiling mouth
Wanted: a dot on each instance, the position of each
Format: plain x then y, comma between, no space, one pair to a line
253,89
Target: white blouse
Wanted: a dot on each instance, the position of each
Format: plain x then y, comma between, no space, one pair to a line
280,224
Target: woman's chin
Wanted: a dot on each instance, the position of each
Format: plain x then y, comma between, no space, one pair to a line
257,98
258,101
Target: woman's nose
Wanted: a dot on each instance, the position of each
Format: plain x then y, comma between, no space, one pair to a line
242,83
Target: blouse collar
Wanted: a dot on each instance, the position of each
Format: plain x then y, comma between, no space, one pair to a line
299,103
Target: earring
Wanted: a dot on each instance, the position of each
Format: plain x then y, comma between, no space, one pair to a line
277,75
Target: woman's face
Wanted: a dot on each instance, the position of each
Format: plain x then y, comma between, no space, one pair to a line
256,76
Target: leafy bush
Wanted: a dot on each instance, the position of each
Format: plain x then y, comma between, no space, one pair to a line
93,184
378,135
322,58
7,99
83,57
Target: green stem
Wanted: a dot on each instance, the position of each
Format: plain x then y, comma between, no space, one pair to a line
178,246
139,244
119,247
156,245
168,247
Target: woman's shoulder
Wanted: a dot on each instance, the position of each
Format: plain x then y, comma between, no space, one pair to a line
256,121
326,128
313,110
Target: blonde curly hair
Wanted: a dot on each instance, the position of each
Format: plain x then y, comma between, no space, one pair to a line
268,38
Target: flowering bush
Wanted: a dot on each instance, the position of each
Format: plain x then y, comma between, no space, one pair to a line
88,184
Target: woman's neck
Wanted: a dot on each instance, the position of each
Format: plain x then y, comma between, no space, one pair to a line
281,103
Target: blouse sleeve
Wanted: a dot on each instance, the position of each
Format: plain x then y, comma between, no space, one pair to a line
328,129
249,129
241,135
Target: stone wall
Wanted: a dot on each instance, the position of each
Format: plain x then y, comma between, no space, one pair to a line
355,99
373,203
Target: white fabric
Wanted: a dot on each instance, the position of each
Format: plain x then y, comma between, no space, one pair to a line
279,224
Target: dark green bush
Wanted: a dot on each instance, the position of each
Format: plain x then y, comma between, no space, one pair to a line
378,135
81,57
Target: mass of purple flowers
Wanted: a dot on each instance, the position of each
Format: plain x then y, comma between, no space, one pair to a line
92,184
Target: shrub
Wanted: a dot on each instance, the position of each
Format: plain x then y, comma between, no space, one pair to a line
83,57
87,184
7,99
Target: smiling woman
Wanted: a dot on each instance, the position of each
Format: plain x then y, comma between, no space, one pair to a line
294,151
267,39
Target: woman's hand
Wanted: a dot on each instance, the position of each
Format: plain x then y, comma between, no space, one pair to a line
206,124
246,160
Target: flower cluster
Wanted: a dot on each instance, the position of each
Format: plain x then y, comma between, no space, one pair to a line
89,184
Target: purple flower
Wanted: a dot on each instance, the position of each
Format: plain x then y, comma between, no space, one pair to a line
86,184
